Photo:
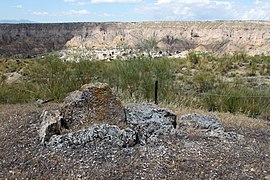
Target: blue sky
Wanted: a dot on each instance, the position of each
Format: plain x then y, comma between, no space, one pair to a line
133,10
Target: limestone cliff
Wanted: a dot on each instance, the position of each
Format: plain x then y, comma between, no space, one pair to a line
252,37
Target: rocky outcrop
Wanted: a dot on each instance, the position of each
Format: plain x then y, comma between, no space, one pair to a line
95,115
145,122
218,37
32,39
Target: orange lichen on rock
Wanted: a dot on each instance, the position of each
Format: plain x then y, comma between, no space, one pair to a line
92,104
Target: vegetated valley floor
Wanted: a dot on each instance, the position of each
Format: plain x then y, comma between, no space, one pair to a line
182,156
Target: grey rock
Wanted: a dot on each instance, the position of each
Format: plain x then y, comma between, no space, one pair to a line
96,133
200,121
149,121
51,124
145,123
206,126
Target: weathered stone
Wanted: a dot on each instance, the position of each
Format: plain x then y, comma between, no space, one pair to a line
145,123
51,124
199,122
206,126
104,132
93,103
149,121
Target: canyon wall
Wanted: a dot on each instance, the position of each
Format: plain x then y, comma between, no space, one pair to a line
219,37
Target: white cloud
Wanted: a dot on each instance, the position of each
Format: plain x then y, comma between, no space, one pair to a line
204,10
40,13
105,15
187,9
78,12
19,6
260,11
81,3
70,1
115,1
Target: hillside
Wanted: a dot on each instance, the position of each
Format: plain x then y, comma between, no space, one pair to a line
219,37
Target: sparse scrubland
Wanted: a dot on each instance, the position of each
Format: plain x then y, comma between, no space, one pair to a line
235,88
231,83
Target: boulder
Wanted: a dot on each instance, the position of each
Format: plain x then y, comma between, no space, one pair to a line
51,124
93,103
149,121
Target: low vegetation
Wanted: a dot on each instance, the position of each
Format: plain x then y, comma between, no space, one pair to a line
231,83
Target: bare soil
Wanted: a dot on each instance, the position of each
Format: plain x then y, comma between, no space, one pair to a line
181,156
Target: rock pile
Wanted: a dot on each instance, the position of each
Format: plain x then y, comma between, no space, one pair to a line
94,114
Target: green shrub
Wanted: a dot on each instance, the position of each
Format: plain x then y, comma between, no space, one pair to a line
237,99
193,57
203,81
134,80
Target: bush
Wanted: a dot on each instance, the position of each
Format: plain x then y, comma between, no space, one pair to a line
238,99
193,57
134,80
203,81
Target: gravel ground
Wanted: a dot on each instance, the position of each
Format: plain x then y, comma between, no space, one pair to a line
180,156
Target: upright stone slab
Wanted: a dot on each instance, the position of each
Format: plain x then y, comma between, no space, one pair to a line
51,124
92,104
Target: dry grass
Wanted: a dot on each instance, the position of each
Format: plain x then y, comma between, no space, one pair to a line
227,119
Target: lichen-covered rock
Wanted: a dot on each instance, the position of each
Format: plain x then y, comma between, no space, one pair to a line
104,132
206,126
149,121
93,103
51,124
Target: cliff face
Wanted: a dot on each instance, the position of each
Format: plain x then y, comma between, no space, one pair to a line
252,37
